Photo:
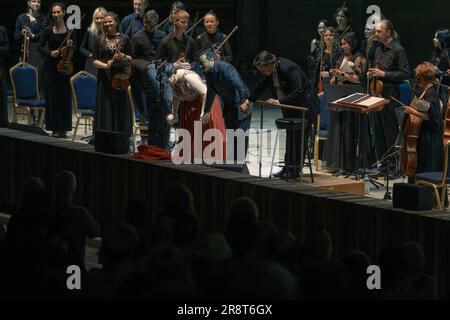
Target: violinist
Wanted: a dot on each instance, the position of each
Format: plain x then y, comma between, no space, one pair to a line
213,37
441,60
177,46
94,31
343,20
324,59
137,18
391,68
4,50
340,148
425,105
31,23
58,114
112,107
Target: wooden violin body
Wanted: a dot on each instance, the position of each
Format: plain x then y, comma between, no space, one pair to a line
65,65
376,88
120,84
408,155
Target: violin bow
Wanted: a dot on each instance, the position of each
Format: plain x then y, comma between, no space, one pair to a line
225,40
195,24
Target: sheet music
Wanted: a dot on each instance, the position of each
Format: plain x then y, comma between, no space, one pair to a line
371,101
353,98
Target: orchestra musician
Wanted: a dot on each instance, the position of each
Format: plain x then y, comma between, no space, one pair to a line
112,110
94,31
177,46
58,113
343,20
340,147
425,105
441,60
317,42
288,85
31,23
391,68
4,50
144,46
139,7
223,80
213,37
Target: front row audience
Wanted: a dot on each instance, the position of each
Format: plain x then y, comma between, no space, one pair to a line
171,257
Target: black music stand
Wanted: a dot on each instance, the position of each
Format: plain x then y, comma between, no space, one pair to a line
362,104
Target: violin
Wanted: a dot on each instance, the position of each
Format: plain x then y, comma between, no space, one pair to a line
65,65
376,86
26,44
117,83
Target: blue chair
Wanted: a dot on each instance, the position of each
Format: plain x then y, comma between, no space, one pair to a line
321,129
83,86
437,180
405,92
24,81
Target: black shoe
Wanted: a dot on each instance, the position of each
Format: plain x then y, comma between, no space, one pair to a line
280,173
63,134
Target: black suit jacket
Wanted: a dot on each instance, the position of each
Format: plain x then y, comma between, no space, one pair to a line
295,86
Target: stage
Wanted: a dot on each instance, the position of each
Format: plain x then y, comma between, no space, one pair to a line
107,182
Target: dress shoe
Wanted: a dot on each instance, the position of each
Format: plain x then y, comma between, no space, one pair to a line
280,173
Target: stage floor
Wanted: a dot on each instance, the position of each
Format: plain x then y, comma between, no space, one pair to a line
323,179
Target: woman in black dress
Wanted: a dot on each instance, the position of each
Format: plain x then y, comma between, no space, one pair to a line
94,31
340,148
58,113
213,37
441,60
112,111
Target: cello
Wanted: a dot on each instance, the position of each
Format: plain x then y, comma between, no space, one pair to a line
411,130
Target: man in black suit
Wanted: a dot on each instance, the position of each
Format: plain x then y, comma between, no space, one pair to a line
290,86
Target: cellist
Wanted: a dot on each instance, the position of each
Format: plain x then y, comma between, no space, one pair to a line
425,105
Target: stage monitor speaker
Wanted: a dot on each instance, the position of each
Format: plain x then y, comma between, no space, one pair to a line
27,128
413,197
241,168
111,142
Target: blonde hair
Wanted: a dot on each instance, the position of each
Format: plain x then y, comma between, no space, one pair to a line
183,14
93,27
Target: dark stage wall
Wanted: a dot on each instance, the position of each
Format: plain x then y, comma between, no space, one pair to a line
284,26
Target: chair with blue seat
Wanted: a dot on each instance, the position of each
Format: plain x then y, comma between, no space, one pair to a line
437,180
321,129
83,86
25,93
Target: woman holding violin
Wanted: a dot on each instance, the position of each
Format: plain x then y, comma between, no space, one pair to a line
340,149
112,108
425,108
57,46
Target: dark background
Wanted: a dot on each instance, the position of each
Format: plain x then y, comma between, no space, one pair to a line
285,27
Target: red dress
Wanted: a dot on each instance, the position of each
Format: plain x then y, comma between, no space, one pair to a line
191,107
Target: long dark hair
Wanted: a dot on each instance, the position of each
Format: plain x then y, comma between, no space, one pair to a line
50,21
353,41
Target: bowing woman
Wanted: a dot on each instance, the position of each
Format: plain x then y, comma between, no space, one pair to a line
213,37
189,93
112,107
94,31
340,148
58,114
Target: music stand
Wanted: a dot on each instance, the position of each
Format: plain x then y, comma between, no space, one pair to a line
333,92
362,104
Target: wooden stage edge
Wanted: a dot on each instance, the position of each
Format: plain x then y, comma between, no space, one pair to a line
106,183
